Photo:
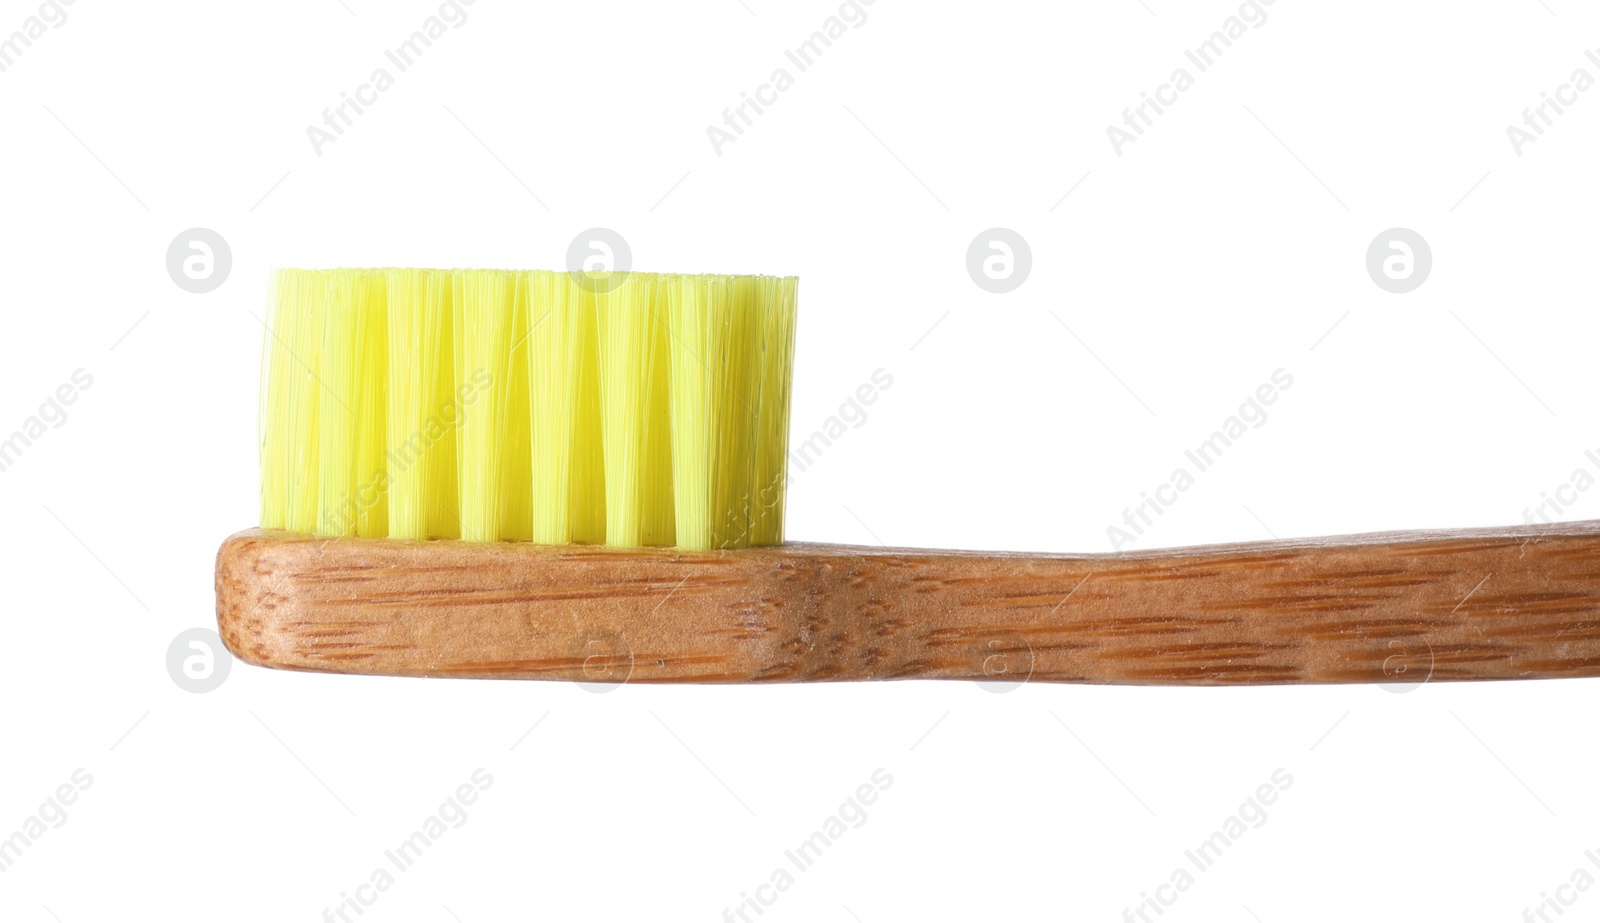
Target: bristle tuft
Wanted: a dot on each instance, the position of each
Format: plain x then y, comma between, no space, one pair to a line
631,409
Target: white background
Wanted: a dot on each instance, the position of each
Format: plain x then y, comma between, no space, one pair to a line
1227,243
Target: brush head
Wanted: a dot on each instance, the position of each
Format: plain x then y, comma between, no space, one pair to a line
627,409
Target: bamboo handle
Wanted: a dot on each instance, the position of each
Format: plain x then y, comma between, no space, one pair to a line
1399,607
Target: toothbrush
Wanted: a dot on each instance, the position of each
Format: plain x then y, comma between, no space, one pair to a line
579,477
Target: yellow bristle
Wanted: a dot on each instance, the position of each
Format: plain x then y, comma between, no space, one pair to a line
568,485
291,396
588,468
776,318
634,411
716,362
424,409
351,485
630,409
493,456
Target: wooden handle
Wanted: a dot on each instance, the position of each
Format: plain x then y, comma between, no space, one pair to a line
1398,607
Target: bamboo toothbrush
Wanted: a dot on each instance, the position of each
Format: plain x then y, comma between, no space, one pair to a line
581,477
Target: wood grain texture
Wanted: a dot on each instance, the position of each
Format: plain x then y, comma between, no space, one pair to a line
1400,607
